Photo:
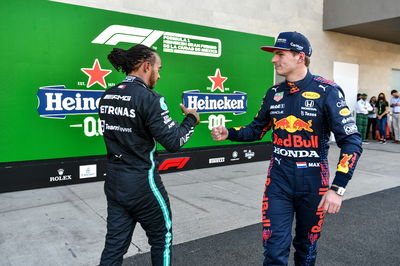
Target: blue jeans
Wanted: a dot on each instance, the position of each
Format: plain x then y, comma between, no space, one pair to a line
382,127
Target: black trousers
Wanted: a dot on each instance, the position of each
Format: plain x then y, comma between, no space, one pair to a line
371,122
153,213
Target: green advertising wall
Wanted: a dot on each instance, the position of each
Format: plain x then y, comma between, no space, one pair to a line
54,68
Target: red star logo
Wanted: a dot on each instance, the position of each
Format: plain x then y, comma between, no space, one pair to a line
96,74
217,81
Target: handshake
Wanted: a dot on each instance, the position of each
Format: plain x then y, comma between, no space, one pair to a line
218,133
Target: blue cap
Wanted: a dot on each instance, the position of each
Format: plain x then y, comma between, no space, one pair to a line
291,41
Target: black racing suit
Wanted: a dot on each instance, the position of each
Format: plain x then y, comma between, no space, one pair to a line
133,119
302,115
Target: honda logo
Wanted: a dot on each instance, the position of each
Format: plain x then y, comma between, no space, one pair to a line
309,103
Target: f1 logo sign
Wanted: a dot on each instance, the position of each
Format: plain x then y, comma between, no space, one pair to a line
174,162
190,44
115,34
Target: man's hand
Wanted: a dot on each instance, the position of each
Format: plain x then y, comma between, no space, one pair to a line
194,112
331,202
219,133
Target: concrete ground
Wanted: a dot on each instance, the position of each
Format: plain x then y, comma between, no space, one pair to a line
366,233
66,225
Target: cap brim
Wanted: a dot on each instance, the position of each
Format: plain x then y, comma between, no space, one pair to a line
271,49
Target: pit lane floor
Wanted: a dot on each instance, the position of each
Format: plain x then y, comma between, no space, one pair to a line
213,210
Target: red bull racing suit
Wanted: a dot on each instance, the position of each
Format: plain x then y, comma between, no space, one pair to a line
133,118
302,115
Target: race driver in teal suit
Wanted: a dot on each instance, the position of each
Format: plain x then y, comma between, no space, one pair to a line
302,111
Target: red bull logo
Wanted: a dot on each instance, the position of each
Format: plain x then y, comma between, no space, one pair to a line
292,124
265,221
343,165
317,228
296,141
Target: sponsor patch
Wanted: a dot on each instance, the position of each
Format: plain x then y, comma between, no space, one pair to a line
292,124
341,103
347,120
296,141
117,110
185,138
277,106
301,164
322,87
343,165
296,153
171,125
163,105
305,113
276,112
310,95
309,103
344,112
278,96
117,97
350,128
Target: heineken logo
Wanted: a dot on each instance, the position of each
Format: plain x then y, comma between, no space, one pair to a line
216,102
58,102
235,103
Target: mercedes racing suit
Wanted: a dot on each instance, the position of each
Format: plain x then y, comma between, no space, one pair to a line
133,118
302,115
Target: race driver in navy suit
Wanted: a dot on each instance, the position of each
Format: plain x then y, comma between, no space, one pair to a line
302,111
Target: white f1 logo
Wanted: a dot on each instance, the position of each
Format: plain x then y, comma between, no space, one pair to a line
190,44
115,34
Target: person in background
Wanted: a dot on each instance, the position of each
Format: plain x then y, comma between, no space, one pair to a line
362,109
383,110
372,119
395,104
353,113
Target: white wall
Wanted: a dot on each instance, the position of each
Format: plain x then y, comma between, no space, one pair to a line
346,76
395,83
